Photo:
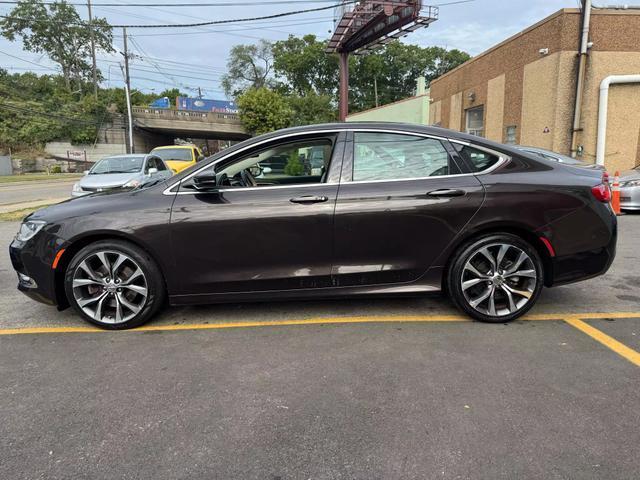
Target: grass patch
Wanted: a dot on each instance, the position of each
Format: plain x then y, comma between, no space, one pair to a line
27,177
18,215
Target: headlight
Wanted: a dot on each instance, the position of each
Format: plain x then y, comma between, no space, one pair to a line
132,184
631,183
28,229
77,188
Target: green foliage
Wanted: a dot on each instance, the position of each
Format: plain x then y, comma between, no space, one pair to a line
311,108
263,110
301,65
55,169
248,66
294,166
58,31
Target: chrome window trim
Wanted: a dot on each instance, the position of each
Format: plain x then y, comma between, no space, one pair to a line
503,159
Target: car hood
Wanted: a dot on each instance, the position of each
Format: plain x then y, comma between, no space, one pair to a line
107,180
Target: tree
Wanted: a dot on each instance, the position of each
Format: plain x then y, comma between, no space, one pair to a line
58,31
301,66
312,108
249,66
396,69
263,110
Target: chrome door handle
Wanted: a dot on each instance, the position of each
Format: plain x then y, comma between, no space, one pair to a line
309,199
446,192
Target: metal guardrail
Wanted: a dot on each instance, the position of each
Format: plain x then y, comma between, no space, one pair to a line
190,115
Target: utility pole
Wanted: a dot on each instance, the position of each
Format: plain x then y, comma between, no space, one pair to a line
93,51
375,89
127,90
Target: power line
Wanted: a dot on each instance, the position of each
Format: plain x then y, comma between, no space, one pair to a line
49,115
181,5
200,24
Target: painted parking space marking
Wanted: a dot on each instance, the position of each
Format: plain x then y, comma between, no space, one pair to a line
601,337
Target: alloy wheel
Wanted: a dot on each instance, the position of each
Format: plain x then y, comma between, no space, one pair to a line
110,287
499,279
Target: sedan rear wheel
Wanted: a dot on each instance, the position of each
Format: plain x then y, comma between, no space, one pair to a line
496,278
114,285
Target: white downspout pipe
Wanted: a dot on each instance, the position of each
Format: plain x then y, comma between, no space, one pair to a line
602,110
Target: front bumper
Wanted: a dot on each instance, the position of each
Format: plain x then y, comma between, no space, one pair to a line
32,262
630,198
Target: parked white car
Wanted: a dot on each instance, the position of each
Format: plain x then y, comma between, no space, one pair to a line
121,172
630,190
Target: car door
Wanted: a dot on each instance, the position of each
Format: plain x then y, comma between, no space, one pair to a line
403,198
276,234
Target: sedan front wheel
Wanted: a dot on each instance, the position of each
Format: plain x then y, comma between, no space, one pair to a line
114,284
496,278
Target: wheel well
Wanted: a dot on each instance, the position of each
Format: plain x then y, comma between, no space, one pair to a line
523,233
75,247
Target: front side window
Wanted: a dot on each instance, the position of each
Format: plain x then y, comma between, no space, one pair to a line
296,162
391,156
117,165
477,159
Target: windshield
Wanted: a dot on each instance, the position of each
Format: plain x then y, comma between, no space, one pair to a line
180,154
117,165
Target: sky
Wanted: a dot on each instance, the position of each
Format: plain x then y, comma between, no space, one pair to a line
192,58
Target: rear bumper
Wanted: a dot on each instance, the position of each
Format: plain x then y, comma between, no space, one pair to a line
585,265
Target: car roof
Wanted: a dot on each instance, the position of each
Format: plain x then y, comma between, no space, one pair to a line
127,155
173,146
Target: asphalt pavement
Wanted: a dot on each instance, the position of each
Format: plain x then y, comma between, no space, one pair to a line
31,191
536,398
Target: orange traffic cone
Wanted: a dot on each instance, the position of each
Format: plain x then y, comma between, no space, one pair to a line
615,194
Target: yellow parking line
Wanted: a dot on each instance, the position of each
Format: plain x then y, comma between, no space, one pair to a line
309,321
609,342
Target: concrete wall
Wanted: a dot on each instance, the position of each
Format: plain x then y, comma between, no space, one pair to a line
623,132
410,110
94,153
494,115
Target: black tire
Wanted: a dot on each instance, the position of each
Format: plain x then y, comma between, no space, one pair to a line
149,304
503,286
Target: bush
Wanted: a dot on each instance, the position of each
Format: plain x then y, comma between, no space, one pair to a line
294,167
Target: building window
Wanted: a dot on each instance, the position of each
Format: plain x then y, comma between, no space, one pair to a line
510,136
475,121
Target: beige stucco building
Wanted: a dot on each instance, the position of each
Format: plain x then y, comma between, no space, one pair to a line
412,110
523,90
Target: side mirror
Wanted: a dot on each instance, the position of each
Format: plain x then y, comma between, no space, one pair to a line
152,171
86,172
206,181
200,158
255,170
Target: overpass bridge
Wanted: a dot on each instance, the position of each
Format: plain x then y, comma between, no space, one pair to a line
188,124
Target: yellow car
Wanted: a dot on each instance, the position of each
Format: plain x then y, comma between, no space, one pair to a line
178,157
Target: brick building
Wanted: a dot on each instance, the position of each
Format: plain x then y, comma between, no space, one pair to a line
523,90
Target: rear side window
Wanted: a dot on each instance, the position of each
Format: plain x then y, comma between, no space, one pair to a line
391,156
478,160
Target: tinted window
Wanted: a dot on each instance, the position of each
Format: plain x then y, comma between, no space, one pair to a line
390,156
304,161
478,160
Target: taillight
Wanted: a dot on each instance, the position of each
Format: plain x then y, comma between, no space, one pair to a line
602,192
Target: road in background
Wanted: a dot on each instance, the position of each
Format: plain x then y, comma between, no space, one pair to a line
30,191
